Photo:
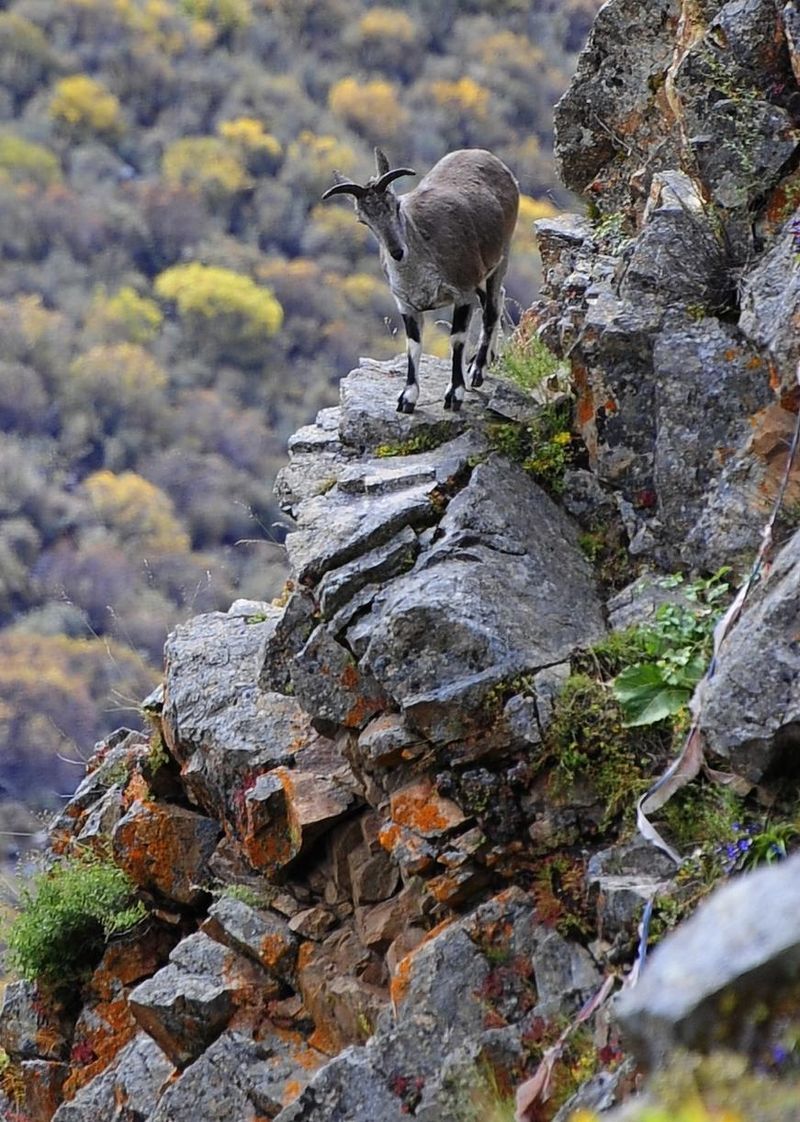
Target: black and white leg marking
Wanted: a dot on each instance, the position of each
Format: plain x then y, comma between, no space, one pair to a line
492,301
413,326
458,337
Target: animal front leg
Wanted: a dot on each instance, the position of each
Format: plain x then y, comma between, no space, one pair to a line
408,398
458,337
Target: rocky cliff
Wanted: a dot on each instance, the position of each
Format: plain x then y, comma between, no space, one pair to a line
385,863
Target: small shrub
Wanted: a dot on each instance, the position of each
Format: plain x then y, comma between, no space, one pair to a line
67,916
124,317
86,107
221,308
208,165
25,162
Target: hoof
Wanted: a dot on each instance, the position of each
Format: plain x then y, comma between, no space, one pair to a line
451,401
477,380
404,406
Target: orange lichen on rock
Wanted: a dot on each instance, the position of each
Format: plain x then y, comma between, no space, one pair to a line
420,808
324,1040
290,1091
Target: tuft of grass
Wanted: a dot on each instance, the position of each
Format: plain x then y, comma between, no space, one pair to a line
526,361
66,917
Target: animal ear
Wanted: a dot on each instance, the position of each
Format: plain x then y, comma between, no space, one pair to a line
381,162
390,176
343,186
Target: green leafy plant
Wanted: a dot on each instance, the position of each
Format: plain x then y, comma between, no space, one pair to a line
67,915
676,647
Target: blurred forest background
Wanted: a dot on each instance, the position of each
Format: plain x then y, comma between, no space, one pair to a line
175,300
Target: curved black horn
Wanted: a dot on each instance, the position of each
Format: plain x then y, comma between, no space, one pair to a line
390,177
345,189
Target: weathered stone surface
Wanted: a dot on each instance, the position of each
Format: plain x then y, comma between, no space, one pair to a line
166,849
373,877
621,880
438,1030
261,934
99,822
288,809
381,924
708,386
134,1081
217,1087
751,711
218,722
112,765
106,1024
493,598
387,739
336,527
629,50
770,316
290,627
239,1080
313,923
40,1084
33,1023
330,686
189,1001
339,980
369,394
739,950
340,585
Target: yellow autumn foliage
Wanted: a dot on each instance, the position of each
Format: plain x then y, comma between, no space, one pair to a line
464,96
530,211
84,105
227,15
125,316
222,307
372,108
26,162
206,164
388,23
312,158
139,513
260,150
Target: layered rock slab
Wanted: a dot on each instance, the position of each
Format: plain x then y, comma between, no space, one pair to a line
492,598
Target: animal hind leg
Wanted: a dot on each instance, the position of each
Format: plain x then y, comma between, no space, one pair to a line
492,303
408,398
458,338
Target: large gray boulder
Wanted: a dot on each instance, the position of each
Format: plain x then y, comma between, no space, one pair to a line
493,598
135,1080
218,720
751,709
737,957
